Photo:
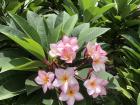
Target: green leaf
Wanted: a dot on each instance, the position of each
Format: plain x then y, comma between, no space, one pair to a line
21,64
123,7
85,4
69,25
53,30
28,30
32,99
70,7
133,52
62,18
8,30
78,29
30,85
94,13
7,90
37,22
138,99
48,101
83,73
125,93
132,41
91,34
28,44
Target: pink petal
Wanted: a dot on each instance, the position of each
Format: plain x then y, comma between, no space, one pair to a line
103,59
74,44
95,95
59,72
70,71
90,91
49,85
45,88
74,87
86,83
51,76
64,88
79,96
63,97
42,74
99,80
103,92
102,52
39,81
98,67
53,52
104,82
57,83
66,39
71,101
98,89
68,55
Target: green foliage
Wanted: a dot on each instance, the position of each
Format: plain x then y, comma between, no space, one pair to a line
30,26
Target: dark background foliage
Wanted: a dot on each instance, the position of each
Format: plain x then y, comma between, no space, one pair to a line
122,43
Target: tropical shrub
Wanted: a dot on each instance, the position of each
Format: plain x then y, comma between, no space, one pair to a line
86,55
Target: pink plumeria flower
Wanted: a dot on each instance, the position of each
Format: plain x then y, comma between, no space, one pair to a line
65,49
64,77
56,49
68,55
96,86
71,95
91,48
70,42
45,80
98,63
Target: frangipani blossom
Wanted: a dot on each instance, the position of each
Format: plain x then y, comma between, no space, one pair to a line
91,48
71,95
65,48
70,42
96,86
98,63
64,77
68,55
45,80
98,56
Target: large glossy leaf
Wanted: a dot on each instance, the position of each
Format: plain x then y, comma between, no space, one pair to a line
60,24
8,30
38,23
94,13
78,29
31,86
17,80
20,64
91,34
69,25
138,99
29,44
85,4
83,73
28,30
132,41
53,29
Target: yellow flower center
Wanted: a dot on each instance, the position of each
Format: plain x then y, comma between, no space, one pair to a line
93,84
46,79
97,61
70,92
65,78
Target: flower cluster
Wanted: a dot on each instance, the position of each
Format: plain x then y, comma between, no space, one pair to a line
66,79
98,56
65,49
